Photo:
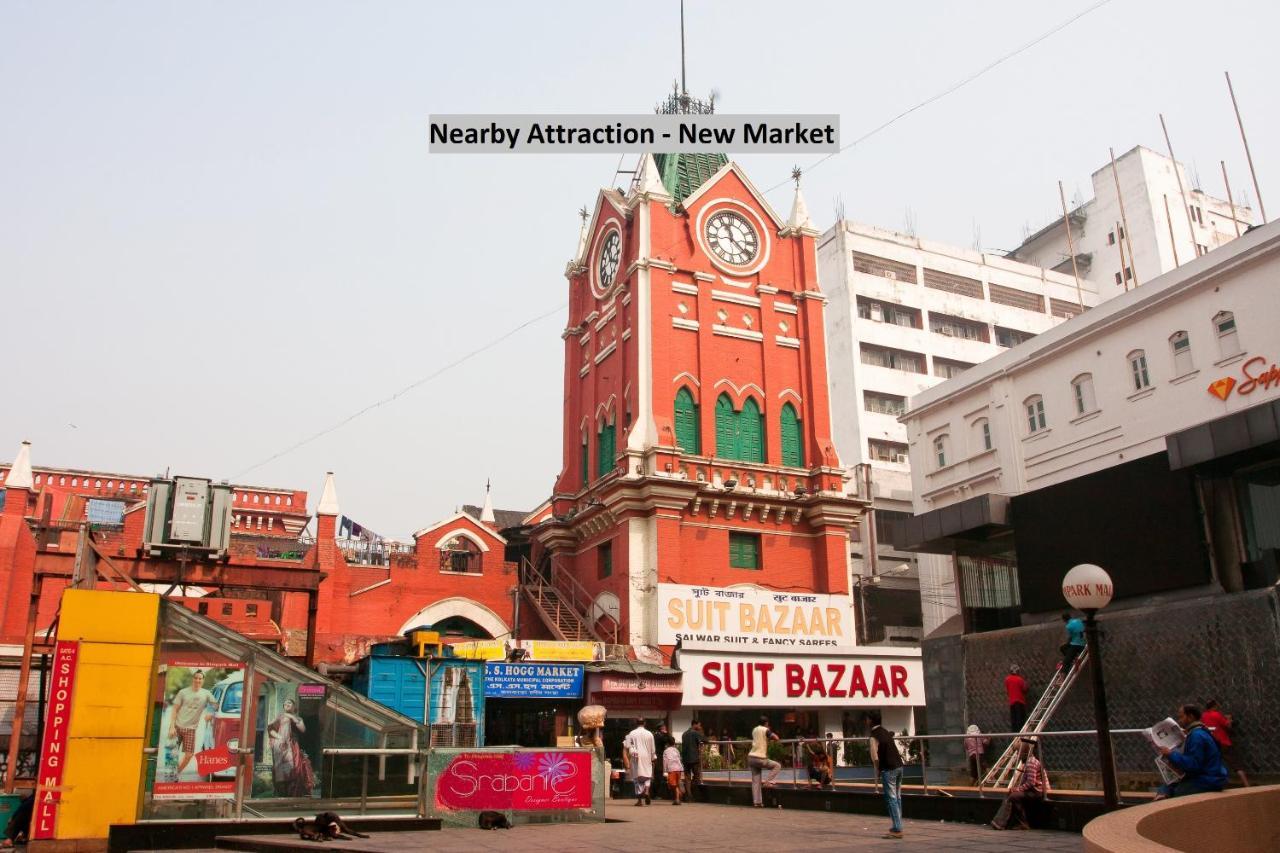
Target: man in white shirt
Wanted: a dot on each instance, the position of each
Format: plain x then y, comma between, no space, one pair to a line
638,753
758,761
190,704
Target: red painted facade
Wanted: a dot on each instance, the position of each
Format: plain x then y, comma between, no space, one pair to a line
679,317
454,568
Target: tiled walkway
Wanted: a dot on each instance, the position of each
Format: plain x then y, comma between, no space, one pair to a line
663,827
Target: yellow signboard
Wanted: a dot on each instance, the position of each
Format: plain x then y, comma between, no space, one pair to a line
480,650
562,650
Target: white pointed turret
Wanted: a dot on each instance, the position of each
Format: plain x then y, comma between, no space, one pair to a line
20,474
650,183
582,240
799,221
486,511
328,497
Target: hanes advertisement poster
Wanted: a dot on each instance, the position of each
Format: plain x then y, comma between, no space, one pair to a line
199,728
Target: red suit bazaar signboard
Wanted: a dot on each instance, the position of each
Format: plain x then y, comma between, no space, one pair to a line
752,680
753,618
530,780
53,751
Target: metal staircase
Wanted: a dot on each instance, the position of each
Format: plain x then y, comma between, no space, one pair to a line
1005,770
564,605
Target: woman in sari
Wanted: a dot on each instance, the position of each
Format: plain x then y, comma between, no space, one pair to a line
291,773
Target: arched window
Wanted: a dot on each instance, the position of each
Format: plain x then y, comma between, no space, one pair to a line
586,459
1224,323
726,428
1138,369
789,432
751,432
605,444
1034,407
940,450
687,422
1082,393
739,435
1180,346
460,554
982,435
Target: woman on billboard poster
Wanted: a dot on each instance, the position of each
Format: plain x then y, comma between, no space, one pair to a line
291,773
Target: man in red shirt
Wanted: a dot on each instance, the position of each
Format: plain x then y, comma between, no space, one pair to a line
1015,686
1219,725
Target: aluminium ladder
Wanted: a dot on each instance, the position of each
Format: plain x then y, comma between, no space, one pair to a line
1005,770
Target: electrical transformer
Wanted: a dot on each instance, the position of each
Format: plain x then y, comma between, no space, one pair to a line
189,513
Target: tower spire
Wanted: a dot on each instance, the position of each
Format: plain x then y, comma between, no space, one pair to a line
684,88
486,512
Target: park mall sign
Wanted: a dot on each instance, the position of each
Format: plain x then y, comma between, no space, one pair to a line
1255,372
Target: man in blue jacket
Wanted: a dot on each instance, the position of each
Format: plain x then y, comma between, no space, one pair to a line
1199,760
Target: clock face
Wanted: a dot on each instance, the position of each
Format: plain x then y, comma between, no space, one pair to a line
732,238
610,257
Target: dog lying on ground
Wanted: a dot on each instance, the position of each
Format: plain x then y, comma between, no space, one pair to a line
494,820
331,825
305,832
327,825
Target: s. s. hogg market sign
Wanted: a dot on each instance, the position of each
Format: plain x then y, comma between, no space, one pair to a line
751,618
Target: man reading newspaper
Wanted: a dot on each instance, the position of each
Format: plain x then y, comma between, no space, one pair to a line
1195,759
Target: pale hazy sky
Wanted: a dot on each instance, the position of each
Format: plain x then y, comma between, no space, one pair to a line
221,232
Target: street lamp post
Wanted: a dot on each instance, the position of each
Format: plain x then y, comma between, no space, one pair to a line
1088,588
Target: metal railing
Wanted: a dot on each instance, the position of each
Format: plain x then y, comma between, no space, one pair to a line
571,597
916,754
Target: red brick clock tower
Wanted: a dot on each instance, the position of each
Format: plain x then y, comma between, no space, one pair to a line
697,435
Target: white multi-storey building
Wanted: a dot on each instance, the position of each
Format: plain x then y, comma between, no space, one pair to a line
906,314
1162,233
1143,436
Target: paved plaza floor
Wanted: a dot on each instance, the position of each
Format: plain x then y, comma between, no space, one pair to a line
663,827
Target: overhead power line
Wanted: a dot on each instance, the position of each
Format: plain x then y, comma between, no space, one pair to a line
950,89
412,386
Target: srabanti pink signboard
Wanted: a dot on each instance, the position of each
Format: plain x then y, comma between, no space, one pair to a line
535,780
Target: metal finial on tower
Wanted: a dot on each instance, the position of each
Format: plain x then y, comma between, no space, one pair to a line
584,214
684,89
795,174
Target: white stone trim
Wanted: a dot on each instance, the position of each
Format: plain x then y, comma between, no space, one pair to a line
606,352
785,391
584,370
686,375
730,332
763,289
465,534
784,341
626,334
703,276
608,315
681,287
681,323
458,606
786,307
738,298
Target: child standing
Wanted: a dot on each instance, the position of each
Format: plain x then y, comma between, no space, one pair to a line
674,768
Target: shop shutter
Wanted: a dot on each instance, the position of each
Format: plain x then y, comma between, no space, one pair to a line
792,448
726,429
686,422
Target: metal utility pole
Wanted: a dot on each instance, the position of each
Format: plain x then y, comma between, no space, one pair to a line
1106,758
1253,174
1168,218
1115,175
1191,228
1071,246
1230,201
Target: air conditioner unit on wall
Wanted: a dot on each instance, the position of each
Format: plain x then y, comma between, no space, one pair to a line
900,458
946,330
877,313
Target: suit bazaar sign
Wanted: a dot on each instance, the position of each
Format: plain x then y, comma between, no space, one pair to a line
715,679
753,618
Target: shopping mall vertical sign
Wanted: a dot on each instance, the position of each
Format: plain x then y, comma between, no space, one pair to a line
53,751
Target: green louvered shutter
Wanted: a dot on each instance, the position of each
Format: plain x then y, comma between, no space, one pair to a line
750,433
744,551
604,464
586,462
726,429
792,447
686,422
